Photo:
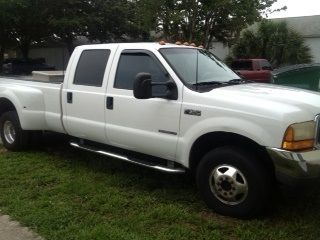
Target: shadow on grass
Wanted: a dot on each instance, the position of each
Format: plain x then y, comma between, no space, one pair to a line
143,179
289,203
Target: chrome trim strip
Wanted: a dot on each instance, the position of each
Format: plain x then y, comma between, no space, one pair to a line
317,135
126,159
168,132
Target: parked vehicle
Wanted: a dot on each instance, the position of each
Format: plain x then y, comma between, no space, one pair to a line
174,108
258,70
17,66
305,76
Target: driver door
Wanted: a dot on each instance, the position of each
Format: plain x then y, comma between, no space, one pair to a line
148,126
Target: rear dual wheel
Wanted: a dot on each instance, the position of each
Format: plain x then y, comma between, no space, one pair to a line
234,182
12,135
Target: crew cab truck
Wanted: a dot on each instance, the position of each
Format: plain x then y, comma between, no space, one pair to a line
174,108
257,70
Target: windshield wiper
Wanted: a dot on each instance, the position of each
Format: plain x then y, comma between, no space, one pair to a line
239,81
207,83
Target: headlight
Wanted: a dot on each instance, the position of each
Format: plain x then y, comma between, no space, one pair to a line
299,136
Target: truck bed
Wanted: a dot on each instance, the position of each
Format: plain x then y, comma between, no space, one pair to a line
41,107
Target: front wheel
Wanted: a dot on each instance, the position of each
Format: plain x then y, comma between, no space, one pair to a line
12,136
234,182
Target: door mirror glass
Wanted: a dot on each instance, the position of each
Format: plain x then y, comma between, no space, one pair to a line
142,88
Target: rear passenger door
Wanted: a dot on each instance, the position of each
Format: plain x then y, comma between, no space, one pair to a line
84,96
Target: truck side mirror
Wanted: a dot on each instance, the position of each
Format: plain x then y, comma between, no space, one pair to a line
142,88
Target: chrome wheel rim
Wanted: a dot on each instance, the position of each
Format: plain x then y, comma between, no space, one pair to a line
228,184
9,132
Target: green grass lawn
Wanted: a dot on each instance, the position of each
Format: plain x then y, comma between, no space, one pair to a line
63,193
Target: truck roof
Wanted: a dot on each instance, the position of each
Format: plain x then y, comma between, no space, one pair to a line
141,45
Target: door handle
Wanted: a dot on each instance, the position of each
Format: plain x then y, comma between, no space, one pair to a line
69,97
110,103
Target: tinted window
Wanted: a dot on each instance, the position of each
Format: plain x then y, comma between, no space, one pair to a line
242,65
91,67
131,64
264,64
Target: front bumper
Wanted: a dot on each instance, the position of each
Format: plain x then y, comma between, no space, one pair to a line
294,167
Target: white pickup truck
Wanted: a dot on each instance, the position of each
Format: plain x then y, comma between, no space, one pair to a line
174,108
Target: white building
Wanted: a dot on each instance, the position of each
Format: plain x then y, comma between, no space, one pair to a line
308,27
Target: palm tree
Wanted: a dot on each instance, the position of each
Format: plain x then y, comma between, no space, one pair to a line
273,41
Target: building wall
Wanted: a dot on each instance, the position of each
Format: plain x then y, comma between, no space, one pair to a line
314,45
57,57
220,50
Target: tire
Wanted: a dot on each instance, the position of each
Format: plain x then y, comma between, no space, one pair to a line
234,183
12,136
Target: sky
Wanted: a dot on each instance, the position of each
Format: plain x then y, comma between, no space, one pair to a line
296,8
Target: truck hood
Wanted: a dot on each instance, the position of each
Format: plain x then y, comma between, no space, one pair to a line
272,100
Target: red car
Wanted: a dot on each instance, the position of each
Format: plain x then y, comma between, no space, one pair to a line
258,70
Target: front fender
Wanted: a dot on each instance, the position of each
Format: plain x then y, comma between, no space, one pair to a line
261,133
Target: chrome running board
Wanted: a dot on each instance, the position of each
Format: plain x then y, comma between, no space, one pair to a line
127,159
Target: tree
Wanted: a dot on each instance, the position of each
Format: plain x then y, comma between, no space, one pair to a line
29,22
114,20
202,21
273,41
68,19
6,29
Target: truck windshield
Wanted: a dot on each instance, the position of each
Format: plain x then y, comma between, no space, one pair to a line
198,66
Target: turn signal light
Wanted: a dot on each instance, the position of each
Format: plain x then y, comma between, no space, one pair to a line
291,143
299,145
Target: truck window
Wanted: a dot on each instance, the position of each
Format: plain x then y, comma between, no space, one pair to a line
130,64
91,67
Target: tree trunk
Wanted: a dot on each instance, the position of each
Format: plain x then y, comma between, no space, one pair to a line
209,41
207,26
192,23
209,35
25,49
69,44
2,50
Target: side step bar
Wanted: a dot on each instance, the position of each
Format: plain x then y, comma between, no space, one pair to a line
127,159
